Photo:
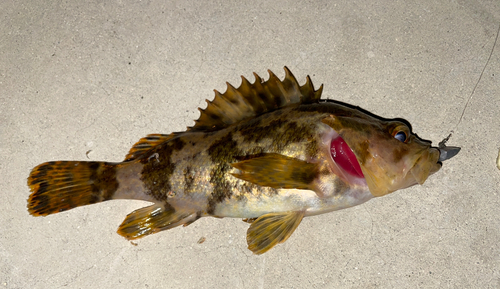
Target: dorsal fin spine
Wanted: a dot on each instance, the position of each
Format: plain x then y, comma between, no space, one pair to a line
236,101
255,101
285,97
241,97
252,99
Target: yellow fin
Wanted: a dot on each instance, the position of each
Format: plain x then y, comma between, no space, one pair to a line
252,99
63,185
146,143
153,219
272,229
249,220
277,171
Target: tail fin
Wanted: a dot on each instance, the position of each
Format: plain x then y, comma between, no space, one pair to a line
63,185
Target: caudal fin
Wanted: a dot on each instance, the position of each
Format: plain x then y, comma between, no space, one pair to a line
63,185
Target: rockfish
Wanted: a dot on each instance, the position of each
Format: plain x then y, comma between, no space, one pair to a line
271,152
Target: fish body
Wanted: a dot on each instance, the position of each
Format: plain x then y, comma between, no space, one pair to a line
271,152
200,174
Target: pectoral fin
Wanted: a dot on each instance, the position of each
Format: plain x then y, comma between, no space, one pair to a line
272,229
277,171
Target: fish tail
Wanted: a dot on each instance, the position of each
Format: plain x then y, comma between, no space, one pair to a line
63,185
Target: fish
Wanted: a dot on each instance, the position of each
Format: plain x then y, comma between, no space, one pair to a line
269,152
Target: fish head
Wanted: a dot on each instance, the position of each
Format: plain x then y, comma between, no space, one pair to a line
389,156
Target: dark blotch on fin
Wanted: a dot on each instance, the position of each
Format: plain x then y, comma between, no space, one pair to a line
63,185
277,171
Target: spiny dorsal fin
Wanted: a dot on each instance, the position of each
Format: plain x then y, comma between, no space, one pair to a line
253,99
237,104
277,171
146,143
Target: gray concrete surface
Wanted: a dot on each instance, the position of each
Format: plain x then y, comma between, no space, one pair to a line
98,75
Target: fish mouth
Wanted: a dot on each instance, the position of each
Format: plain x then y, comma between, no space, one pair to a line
428,162
345,158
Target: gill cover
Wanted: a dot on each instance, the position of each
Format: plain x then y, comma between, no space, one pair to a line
389,155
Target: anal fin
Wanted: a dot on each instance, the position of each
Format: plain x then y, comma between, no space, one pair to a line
153,219
272,229
277,171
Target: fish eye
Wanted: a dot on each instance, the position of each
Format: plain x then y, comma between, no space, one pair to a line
401,136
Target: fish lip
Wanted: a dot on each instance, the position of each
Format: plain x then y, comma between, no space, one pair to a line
447,152
425,165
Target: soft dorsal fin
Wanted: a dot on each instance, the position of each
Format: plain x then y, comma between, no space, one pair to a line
146,143
252,99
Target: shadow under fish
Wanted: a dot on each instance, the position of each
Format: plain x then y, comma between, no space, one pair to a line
271,152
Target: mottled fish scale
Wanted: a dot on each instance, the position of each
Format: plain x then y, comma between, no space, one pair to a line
270,152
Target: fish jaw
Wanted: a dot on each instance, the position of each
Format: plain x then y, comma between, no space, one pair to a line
384,177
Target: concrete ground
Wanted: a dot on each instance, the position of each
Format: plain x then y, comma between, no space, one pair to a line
84,80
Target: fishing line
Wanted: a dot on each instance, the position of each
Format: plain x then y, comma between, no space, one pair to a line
442,144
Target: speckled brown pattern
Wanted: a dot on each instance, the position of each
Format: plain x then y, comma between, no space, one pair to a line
60,186
261,151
